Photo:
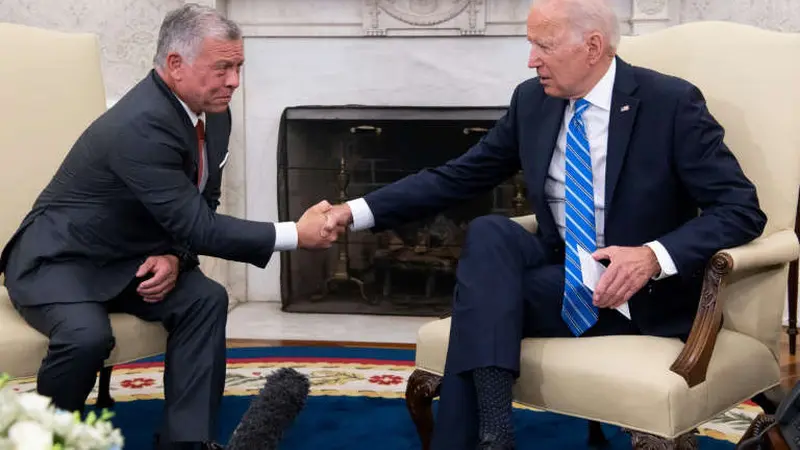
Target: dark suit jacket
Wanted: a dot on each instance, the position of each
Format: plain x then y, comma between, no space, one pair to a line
125,191
666,158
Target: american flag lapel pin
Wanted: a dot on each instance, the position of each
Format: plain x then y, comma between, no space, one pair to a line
625,108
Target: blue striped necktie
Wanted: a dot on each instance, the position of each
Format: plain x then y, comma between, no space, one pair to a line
577,309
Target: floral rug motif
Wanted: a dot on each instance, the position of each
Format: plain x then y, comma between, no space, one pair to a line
376,373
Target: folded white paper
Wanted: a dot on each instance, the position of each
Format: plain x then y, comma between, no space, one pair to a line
591,271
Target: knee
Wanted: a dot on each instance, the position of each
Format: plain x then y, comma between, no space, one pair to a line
488,230
215,299
88,343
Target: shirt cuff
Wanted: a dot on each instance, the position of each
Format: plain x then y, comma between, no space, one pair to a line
664,260
285,236
362,215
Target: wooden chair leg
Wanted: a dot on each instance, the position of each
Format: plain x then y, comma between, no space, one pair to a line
104,399
596,436
644,441
422,388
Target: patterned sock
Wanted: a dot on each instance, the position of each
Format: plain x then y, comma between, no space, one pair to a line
493,386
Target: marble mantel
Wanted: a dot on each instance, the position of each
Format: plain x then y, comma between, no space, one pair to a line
372,52
393,18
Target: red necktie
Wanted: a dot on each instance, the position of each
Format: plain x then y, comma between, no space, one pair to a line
201,137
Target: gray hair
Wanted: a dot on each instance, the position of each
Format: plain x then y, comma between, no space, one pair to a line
586,16
184,29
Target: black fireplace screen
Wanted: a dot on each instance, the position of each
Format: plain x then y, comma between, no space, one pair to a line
342,153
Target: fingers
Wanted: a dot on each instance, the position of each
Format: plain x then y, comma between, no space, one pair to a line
160,275
321,207
160,283
146,267
603,291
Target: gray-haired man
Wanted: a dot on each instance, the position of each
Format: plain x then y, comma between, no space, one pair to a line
120,226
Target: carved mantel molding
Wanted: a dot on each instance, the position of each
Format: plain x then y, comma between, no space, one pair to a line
379,18
428,17
403,18
652,15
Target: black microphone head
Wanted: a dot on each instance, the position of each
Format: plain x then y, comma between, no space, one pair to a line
272,412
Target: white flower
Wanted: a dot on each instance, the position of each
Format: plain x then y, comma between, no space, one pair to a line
28,421
63,422
36,407
29,435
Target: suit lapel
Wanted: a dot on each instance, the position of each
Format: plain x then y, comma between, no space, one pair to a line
621,120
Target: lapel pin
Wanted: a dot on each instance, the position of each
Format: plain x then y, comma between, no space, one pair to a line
624,108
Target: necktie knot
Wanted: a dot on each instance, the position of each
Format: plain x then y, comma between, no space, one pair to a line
581,105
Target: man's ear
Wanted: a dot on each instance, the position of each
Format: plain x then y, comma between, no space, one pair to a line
173,65
595,44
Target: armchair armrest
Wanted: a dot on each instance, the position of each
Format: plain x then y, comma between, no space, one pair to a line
778,248
528,222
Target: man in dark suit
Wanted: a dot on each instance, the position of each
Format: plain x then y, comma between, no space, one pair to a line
120,226
618,160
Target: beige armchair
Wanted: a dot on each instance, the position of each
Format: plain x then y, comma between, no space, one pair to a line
656,388
52,90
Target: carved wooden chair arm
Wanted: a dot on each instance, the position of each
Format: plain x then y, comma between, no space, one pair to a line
778,248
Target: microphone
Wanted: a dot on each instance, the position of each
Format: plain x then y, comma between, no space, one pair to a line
272,412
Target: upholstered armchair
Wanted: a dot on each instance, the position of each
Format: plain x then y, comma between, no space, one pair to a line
661,389
52,90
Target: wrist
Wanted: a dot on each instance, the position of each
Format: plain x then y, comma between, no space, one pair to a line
654,264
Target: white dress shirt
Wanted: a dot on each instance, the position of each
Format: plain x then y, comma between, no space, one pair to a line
596,120
285,232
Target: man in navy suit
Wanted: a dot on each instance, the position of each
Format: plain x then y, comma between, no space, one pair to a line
618,160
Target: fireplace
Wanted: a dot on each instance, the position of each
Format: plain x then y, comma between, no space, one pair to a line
341,153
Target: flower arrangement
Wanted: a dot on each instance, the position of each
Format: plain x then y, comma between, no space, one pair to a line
28,421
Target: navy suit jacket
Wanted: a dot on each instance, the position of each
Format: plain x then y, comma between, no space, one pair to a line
666,160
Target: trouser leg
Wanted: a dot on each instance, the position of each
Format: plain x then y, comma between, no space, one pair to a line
194,314
80,340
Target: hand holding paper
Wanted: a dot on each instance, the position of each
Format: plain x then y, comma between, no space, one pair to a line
591,271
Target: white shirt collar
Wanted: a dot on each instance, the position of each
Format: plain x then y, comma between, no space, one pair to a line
600,95
192,116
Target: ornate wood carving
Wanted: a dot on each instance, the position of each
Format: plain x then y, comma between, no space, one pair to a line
644,441
421,389
424,17
692,362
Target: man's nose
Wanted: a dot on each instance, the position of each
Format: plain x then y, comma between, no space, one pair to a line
534,62
233,79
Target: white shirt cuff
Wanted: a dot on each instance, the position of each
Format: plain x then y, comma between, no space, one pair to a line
664,260
362,215
285,236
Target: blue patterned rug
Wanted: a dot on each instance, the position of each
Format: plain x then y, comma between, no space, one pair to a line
356,403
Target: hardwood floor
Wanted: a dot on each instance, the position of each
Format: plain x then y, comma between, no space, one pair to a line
790,364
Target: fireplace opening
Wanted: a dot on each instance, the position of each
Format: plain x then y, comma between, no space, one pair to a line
342,153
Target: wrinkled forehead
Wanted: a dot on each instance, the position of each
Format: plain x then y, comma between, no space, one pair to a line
545,23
